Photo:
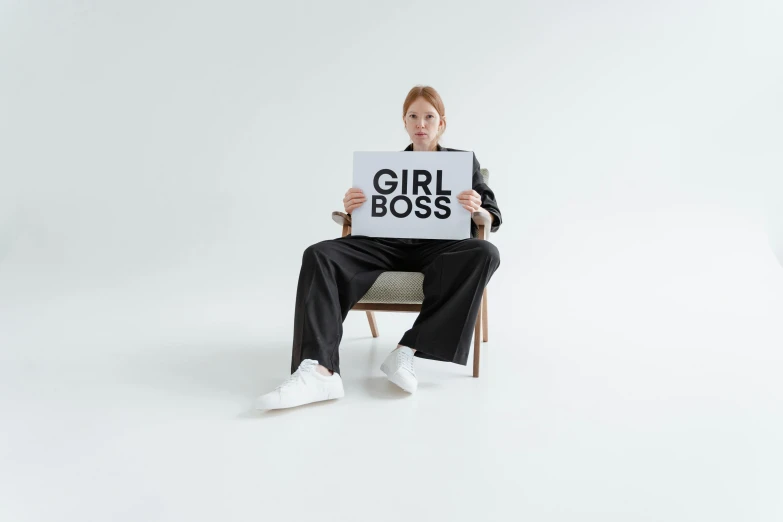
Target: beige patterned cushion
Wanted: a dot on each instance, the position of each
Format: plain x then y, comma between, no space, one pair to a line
396,288
401,287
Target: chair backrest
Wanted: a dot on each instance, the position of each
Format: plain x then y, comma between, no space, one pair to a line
485,175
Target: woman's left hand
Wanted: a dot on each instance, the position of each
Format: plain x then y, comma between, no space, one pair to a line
470,200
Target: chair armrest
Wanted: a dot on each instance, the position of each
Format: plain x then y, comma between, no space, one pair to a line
480,219
341,218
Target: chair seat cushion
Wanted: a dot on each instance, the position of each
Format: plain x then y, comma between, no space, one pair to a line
396,288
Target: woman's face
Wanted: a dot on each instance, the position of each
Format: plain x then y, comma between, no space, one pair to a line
423,124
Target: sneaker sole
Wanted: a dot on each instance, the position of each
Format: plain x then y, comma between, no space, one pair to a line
331,396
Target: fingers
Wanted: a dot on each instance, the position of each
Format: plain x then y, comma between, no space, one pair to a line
470,200
471,195
354,198
351,208
354,192
356,201
353,201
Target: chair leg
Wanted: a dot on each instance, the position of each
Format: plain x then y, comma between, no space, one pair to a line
485,316
477,346
373,324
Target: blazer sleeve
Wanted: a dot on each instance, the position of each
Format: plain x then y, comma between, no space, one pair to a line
488,200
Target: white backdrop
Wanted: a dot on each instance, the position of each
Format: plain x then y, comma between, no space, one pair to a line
164,164
171,146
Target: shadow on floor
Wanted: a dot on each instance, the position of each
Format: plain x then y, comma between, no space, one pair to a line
241,371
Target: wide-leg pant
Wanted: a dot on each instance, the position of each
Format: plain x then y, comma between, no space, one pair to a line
336,273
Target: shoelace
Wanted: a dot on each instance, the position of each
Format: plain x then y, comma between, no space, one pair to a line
405,359
305,366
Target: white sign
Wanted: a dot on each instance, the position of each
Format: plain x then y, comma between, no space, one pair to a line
412,194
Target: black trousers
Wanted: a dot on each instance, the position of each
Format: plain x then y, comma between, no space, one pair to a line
336,273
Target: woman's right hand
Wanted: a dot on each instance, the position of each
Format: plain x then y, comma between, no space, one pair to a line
353,199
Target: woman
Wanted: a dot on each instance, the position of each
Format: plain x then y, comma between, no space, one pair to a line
336,273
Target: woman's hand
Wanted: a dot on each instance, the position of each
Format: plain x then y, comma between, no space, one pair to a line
470,200
353,199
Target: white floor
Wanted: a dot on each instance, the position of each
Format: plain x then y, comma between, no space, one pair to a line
655,400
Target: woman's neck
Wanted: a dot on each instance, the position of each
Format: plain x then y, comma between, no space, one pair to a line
431,149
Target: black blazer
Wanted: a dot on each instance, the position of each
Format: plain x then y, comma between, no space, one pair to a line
488,200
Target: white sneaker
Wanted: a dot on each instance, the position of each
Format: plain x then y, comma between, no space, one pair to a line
398,367
304,386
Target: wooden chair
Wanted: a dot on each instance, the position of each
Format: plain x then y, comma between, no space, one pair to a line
403,292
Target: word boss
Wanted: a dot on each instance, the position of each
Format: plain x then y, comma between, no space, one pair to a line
386,182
